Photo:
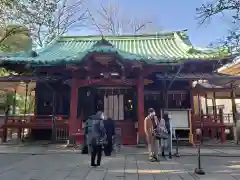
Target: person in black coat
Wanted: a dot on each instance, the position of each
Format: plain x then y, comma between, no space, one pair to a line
167,141
109,126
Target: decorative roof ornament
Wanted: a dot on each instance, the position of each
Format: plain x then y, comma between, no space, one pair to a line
183,34
103,42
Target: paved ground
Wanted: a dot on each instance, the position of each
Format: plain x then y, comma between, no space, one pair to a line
57,149
119,167
56,162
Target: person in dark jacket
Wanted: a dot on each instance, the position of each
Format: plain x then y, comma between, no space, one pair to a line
166,143
95,137
109,125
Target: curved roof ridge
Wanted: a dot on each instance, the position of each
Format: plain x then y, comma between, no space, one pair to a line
180,39
127,36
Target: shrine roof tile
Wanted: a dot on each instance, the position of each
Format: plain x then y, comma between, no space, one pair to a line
196,76
171,47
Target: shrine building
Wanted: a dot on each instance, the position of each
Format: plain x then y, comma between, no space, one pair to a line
75,76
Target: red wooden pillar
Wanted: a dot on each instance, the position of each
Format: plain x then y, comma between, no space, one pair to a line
192,139
140,101
75,126
222,129
223,135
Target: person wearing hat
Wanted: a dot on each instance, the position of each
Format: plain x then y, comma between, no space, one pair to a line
153,143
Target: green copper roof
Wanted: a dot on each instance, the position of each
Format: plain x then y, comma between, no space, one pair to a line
154,48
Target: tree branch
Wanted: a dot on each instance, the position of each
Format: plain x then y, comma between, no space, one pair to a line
229,8
110,21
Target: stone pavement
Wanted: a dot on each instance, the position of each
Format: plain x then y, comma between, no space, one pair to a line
119,167
57,149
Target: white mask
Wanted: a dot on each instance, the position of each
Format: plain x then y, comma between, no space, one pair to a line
153,113
102,116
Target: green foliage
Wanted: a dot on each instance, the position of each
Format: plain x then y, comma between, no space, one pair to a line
4,72
15,38
231,10
20,103
20,99
46,19
5,48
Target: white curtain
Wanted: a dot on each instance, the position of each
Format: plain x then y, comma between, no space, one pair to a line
121,108
114,107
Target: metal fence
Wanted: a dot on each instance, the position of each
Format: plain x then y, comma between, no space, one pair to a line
62,134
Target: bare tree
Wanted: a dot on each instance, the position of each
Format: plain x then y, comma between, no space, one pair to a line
52,19
109,20
231,10
47,19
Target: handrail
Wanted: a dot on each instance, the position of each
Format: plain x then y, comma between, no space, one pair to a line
212,120
30,121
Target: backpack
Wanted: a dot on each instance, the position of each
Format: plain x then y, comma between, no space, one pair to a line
99,136
157,132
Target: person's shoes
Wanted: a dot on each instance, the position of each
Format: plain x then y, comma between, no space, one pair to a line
163,155
93,165
153,159
156,159
170,155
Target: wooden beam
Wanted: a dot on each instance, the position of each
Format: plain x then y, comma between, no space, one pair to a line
106,82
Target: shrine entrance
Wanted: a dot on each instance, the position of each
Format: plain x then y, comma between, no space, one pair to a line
117,102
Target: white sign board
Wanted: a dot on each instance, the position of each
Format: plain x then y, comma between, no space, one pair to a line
179,118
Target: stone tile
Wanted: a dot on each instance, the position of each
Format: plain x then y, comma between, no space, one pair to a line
58,175
146,177
216,177
131,177
96,174
236,176
144,172
188,176
174,177
79,173
110,176
27,175
72,178
11,175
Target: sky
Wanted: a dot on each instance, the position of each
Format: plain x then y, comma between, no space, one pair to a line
171,15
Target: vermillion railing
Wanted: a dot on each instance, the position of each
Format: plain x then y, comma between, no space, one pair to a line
212,120
32,121
213,126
